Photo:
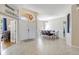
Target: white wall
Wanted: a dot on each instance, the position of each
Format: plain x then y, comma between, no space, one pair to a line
69,35
75,26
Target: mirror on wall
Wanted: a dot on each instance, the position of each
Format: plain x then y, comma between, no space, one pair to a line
68,23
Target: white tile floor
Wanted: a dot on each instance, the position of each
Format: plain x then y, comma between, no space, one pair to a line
41,47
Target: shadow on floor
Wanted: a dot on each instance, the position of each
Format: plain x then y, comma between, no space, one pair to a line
27,40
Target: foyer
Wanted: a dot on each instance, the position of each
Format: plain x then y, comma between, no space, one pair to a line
39,29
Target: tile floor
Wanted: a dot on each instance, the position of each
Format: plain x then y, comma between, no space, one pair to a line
41,47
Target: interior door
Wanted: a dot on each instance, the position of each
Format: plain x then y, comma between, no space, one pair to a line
23,30
32,30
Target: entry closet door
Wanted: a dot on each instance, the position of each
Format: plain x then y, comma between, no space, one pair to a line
32,30
27,30
23,30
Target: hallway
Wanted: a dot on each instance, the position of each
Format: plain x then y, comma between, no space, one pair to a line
41,47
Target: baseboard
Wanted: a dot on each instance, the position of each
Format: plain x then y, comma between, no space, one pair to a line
75,46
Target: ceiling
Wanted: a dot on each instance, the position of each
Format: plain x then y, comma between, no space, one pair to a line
48,11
